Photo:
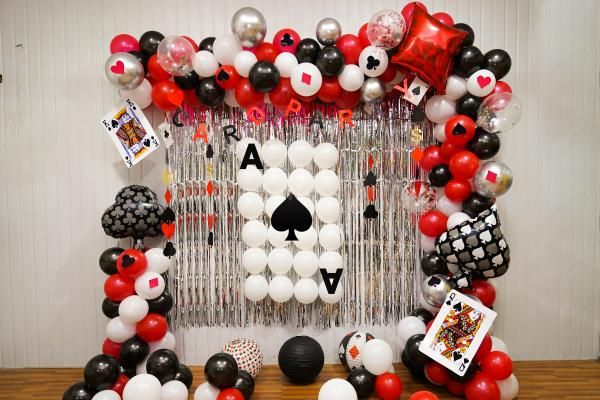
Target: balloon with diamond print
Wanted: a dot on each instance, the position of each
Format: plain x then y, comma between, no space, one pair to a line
350,349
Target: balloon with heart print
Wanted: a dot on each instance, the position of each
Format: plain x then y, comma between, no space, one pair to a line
124,71
481,83
499,112
373,61
459,129
492,179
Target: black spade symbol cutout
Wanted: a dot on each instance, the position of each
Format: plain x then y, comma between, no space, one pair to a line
370,179
370,212
223,76
434,281
458,307
466,360
448,302
417,115
372,63
128,261
459,130
209,151
169,250
291,215
456,355
168,215
146,143
210,239
287,40
114,123
417,91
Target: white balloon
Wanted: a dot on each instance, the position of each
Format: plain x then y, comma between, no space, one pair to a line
325,155
277,238
119,331
328,209
306,291
337,389
447,206
499,345
157,261
439,108
150,285
352,78
305,263
230,99
174,390
456,219
243,62
256,287
306,202
374,66
272,203
133,309
427,306
285,63
274,152
330,237
481,83
142,95
107,395
300,153
226,48
254,260
306,79
408,327
280,261
254,233
331,298
166,342
250,205
206,391
427,243
456,87
242,146
249,178
281,289
205,64
301,182
331,261
142,387
377,356
327,183
307,239
274,181
509,388
439,132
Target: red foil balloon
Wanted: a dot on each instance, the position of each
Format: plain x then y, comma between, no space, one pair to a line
286,41
388,386
497,365
482,387
227,77
409,9
350,45
266,52
433,223
463,165
330,89
152,328
428,49
459,129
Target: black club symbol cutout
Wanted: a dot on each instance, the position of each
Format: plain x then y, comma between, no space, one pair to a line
287,40
372,63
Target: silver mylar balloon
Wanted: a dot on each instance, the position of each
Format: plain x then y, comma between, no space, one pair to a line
328,31
435,289
249,27
372,90
124,71
492,179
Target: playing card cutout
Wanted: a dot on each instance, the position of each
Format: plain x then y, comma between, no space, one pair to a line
331,279
291,215
370,179
169,250
416,91
168,230
168,215
370,212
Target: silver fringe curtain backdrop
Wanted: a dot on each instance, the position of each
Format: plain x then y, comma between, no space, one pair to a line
381,255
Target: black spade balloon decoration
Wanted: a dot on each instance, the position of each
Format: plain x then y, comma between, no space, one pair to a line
221,370
301,359
291,215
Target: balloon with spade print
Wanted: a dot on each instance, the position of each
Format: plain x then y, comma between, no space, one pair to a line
373,61
291,216
435,289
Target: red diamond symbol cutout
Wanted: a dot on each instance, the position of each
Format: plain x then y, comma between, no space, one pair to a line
491,176
354,352
153,283
306,78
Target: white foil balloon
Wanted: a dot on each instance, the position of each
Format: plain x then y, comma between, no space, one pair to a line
254,233
205,64
301,182
141,95
300,153
256,287
306,291
456,87
254,260
337,389
439,108
305,263
225,48
243,62
331,298
328,209
325,155
157,261
133,309
327,183
142,387
206,391
274,151
285,63
281,289
280,261
250,205
249,178
149,285
377,356
274,181
351,78
174,390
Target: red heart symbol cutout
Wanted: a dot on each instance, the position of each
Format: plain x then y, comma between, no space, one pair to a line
118,68
168,230
483,81
175,98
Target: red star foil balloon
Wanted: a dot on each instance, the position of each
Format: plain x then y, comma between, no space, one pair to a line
428,49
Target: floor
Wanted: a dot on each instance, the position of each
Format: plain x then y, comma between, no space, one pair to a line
546,380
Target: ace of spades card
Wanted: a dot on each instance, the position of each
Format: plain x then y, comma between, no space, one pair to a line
130,131
457,332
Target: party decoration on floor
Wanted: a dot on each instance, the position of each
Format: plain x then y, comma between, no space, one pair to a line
350,349
247,354
301,359
337,389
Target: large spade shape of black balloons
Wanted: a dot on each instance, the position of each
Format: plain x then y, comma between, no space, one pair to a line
432,263
189,81
209,92
133,351
307,51
221,370
363,382
184,374
484,145
467,61
79,391
498,61
330,61
149,42
163,364
101,372
264,76
245,384
108,260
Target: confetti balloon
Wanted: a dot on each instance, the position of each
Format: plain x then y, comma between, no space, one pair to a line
249,27
386,29
499,112
124,71
418,196
175,55
492,179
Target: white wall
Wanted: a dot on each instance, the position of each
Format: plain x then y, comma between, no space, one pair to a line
59,171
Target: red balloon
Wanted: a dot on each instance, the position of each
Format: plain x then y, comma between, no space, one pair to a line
124,43
484,349
348,100
190,98
131,263
484,291
464,164
388,386
432,156
167,96
457,190
155,70
433,223
428,326
389,74
423,395
192,42
409,9
266,52
230,394
286,41
428,49
246,95
459,129
307,99
330,89
450,149
481,387
437,374
497,365
444,18
363,38
350,46
455,387
501,87
118,288
282,94
152,328
120,383
227,77
111,348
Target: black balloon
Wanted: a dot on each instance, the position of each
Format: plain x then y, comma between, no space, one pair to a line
471,369
301,359
133,351
307,51
440,175
470,39
207,44
149,42
108,260
330,61
412,350
101,372
415,370
432,263
163,364
363,382
110,308
129,371
484,145
264,76
184,374
162,304
188,81
468,105
475,204
221,370
209,93
498,61
142,58
424,315
245,384
79,391
467,61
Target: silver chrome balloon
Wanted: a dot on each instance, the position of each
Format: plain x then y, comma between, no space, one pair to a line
372,90
249,27
435,289
328,31
124,71
492,179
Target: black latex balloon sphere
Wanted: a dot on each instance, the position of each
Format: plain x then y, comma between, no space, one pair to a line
221,370
188,81
432,263
108,260
162,304
101,372
130,372
149,42
79,391
307,51
264,76
440,175
245,384
362,381
209,93
470,39
467,61
476,204
468,105
484,145
133,351
498,61
184,375
301,359
330,61
163,364
207,44
415,370
142,58
110,308
424,315
412,350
